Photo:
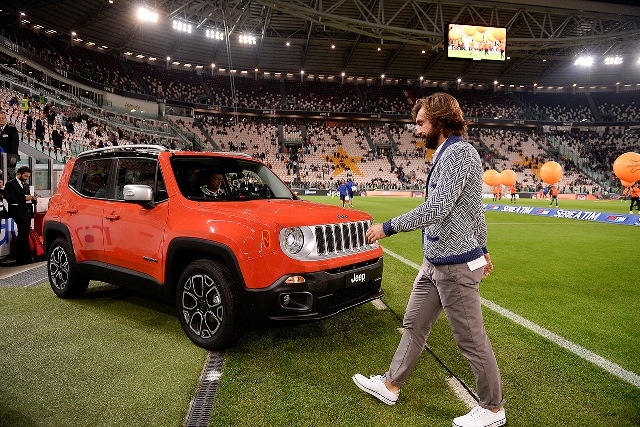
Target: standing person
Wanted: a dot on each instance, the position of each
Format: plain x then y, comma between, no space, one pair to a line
9,142
39,129
455,260
635,198
29,126
350,186
554,195
16,191
57,136
513,190
342,190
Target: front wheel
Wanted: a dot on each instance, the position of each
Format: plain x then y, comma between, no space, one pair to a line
208,306
66,281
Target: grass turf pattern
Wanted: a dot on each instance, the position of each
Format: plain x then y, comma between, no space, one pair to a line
114,359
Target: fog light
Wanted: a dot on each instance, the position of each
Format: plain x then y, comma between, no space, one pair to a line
286,300
291,280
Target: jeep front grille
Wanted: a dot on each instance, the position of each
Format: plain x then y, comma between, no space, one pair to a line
337,239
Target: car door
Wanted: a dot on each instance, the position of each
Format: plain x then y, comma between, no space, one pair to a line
83,212
137,230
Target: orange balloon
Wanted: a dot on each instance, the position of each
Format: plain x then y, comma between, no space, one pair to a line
478,37
627,167
626,183
500,33
491,177
455,34
489,36
470,30
551,172
481,29
508,177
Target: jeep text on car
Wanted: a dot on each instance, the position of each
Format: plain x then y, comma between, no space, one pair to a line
230,249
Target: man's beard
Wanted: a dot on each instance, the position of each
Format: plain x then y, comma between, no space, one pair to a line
431,139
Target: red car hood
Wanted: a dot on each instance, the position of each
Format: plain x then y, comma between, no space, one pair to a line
288,213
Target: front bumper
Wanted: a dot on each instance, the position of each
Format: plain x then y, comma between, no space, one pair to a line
324,294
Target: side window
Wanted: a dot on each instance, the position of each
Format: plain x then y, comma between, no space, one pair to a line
76,174
94,178
142,172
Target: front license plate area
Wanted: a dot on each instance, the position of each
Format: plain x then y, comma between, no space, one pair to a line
356,278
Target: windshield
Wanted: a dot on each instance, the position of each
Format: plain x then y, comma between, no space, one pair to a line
224,179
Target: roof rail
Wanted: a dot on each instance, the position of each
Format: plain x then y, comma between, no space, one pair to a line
125,148
233,153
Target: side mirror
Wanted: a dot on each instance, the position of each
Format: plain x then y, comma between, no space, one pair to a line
137,193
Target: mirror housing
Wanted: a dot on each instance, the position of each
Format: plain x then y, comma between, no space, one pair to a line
137,193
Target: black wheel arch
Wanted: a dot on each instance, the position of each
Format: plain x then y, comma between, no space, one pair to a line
51,231
183,251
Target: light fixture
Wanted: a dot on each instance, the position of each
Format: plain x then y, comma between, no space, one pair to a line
613,60
147,15
214,34
584,61
246,39
183,27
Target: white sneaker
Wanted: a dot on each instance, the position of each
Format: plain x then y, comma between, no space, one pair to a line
631,212
375,386
481,417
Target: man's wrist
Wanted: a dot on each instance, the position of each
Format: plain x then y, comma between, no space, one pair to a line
388,228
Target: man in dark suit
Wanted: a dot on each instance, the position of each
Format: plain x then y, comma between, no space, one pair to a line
8,136
39,129
9,142
16,191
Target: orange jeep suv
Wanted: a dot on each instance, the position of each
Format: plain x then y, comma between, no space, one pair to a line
218,233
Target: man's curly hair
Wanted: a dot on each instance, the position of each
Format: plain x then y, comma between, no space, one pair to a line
443,111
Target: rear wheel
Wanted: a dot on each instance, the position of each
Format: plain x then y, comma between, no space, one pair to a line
66,281
208,306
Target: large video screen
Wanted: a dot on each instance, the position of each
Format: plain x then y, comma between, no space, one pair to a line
476,42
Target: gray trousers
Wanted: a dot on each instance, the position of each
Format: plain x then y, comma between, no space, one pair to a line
455,289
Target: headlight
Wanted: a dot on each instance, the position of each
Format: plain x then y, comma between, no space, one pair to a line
291,240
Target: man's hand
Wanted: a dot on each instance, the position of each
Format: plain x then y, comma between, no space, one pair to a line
487,268
375,232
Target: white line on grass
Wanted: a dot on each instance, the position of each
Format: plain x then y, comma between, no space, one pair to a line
612,368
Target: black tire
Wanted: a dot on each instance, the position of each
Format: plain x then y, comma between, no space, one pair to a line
207,305
64,277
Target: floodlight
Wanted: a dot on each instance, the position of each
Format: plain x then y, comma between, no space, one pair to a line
585,61
214,34
247,39
613,60
147,15
183,27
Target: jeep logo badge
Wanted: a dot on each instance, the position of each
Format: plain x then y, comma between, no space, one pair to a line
359,278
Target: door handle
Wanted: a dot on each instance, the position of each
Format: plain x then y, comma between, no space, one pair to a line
113,216
72,210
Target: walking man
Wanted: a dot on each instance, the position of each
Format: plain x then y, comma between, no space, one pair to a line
455,261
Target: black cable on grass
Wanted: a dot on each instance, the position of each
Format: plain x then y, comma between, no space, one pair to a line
446,368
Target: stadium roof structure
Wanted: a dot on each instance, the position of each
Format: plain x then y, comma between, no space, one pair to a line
400,39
